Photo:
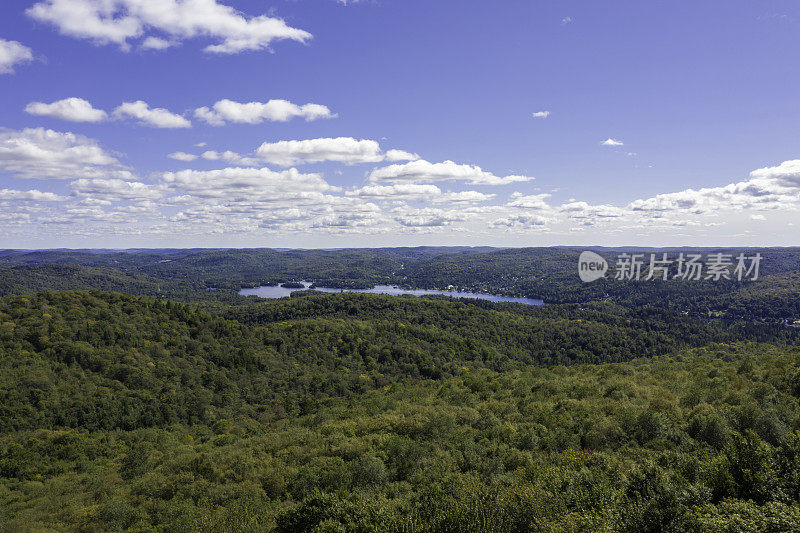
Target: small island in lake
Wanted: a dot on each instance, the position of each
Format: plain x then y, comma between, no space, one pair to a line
293,285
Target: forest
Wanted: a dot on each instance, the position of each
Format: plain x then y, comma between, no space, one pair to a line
139,392
548,274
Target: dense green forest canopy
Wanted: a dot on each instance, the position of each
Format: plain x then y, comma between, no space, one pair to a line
139,392
544,273
108,360
704,440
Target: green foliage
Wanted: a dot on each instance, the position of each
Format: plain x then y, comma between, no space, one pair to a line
586,447
356,412
109,361
28,279
546,273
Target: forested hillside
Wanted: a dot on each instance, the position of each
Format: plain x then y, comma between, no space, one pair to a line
110,361
20,280
139,392
549,274
356,412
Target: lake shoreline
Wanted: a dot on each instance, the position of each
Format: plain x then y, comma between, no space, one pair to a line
276,291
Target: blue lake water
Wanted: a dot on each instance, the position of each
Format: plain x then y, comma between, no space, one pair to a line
280,292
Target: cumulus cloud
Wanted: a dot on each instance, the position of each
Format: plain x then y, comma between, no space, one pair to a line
156,43
230,157
257,112
246,183
404,198
345,220
464,197
33,195
156,117
417,192
541,114
428,217
526,221
532,201
522,211
13,53
345,150
114,189
71,109
787,173
612,142
589,215
122,21
400,191
341,149
182,156
769,188
421,171
400,155
46,154
80,110
751,194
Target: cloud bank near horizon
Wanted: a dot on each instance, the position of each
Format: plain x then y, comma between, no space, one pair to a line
265,193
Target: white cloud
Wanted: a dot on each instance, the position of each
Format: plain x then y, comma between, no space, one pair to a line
525,221
114,189
590,214
46,154
566,20
345,150
464,197
400,155
72,109
257,112
612,142
121,21
418,192
155,117
13,53
80,110
33,195
787,173
243,183
523,212
399,191
230,157
211,155
249,202
428,217
421,171
541,114
156,43
533,201
347,219
341,149
182,156
770,188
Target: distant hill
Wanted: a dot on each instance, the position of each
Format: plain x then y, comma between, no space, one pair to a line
549,274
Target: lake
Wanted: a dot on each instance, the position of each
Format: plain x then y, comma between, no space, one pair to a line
280,292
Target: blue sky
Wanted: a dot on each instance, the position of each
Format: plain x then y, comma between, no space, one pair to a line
661,123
